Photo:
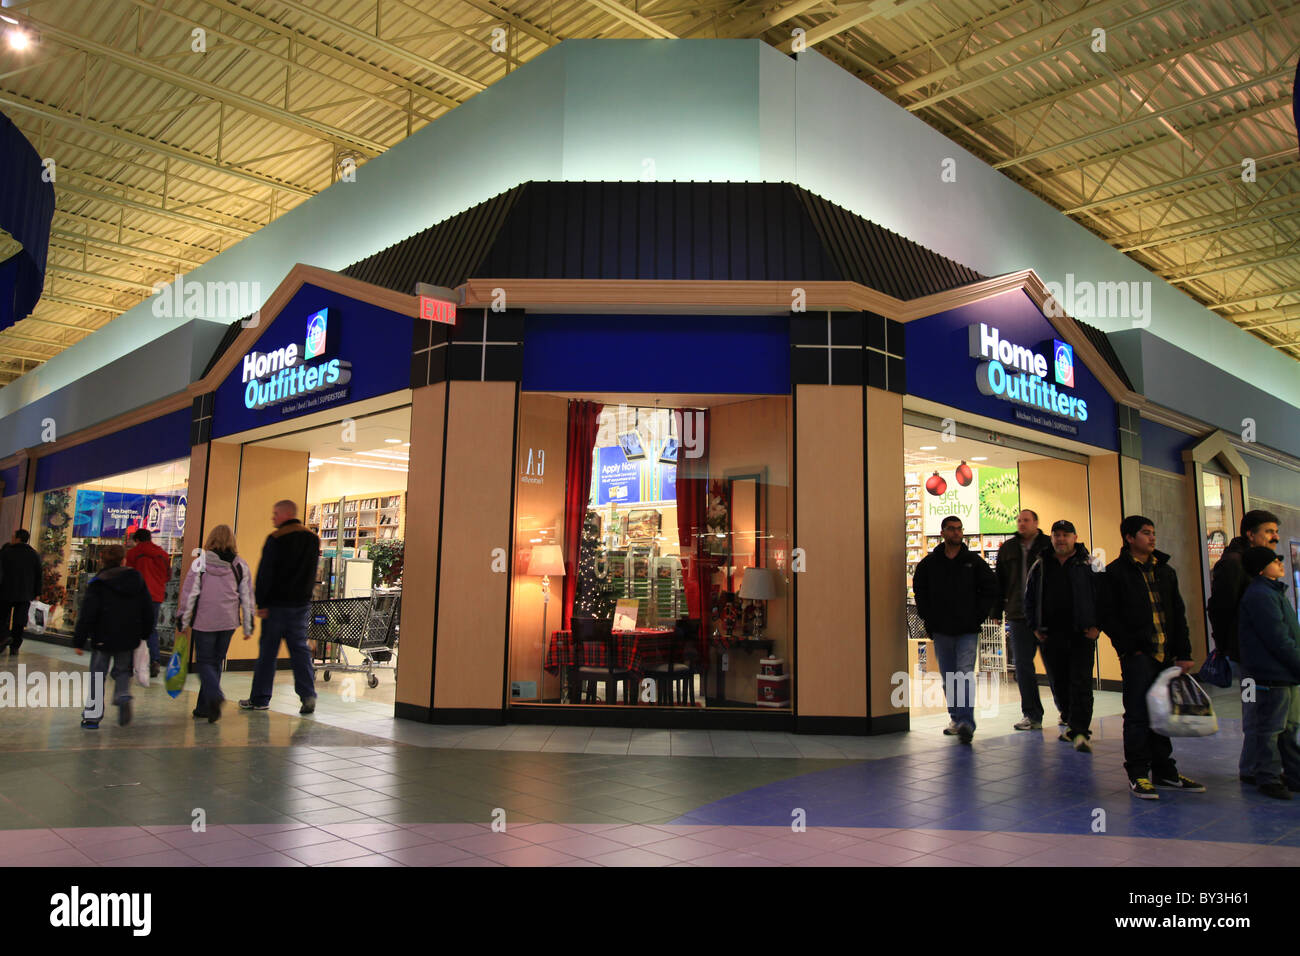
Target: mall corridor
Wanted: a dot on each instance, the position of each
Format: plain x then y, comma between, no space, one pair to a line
351,786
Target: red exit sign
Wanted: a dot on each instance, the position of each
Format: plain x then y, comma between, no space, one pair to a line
437,310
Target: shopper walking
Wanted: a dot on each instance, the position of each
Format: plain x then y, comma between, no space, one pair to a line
1061,607
1270,655
1016,556
955,593
155,566
1144,615
1228,581
216,598
116,615
286,577
21,579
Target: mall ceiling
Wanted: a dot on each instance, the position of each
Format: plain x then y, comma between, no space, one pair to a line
167,158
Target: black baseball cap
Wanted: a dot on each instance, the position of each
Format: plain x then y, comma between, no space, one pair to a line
1066,526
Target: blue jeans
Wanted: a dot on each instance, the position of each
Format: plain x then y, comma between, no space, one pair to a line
153,635
1249,737
210,649
1025,645
1276,754
288,624
956,653
105,663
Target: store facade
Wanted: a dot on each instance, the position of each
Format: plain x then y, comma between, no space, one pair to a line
733,445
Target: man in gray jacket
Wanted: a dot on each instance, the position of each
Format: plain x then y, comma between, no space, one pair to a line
1015,558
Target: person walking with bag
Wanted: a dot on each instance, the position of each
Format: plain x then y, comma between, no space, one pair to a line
1061,609
21,578
216,598
1269,636
1147,622
286,578
155,565
116,615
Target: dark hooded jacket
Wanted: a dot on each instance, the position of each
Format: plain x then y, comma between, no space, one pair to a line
1126,609
21,574
954,595
286,575
1010,571
1270,634
1228,583
1085,588
116,613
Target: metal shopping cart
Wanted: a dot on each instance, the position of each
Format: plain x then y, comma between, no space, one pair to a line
367,625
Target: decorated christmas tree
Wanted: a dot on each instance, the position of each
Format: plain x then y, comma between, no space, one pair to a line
595,595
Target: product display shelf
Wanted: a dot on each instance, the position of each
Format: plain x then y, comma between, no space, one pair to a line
349,524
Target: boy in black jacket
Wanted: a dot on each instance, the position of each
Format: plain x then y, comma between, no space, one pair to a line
1144,615
955,592
116,615
1061,601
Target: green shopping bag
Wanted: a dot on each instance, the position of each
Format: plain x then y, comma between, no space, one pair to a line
178,668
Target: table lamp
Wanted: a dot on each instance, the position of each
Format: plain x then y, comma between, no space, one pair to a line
758,584
547,559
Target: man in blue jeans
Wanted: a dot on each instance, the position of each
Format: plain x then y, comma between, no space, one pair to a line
286,576
955,593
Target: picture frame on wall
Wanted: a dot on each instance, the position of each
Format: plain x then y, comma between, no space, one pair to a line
643,523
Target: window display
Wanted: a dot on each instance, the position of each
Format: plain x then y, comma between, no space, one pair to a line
75,522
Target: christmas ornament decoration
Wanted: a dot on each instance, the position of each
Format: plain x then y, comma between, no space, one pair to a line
964,474
936,485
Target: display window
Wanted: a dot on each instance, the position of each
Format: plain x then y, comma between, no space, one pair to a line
74,522
652,552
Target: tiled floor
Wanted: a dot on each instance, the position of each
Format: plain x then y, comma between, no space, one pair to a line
353,787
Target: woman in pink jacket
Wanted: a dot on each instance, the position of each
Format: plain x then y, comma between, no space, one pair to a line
217,593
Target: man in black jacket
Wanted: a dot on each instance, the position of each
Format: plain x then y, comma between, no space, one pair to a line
116,615
1228,582
1061,608
21,577
286,576
1144,615
1016,556
955,593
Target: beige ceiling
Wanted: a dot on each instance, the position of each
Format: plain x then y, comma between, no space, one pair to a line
167,157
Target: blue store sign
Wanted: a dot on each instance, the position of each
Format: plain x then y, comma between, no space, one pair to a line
1000,358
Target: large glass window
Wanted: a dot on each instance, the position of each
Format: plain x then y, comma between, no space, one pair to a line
73,523
663,523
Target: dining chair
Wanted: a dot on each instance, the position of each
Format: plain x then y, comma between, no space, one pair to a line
675,678
597,632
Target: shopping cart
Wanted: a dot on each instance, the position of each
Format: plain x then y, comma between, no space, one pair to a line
367,625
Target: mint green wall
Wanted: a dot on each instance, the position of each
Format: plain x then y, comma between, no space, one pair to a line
702,110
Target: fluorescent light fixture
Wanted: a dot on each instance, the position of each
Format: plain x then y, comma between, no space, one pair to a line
8,19
19,39
929,447
393,441
980,458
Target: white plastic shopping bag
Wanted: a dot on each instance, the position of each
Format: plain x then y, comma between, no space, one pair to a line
1178,707
140,663
38,612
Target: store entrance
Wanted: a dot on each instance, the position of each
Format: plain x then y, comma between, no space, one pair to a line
986,485
349,479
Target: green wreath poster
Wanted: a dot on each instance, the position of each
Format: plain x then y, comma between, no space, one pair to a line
999,500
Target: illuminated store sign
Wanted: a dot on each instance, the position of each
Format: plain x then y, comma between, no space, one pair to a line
278,376
1017,374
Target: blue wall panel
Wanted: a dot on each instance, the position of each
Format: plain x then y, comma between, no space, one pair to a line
1162,447
700,354
10,478
149,443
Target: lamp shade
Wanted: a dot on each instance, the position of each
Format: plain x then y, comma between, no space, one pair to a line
546,559
759,584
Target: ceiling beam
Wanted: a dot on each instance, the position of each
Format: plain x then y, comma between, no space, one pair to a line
633,19
181,217
92,242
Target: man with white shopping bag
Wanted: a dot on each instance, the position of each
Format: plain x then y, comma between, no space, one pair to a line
1144,616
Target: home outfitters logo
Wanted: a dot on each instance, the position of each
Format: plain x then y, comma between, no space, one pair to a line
1064,362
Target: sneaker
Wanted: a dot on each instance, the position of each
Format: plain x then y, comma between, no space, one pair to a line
214,714
308,706
965,732
197,714
1182,783
1276,790
1081,744
1142,789
951,729
89,724
1028,723
153,668
249,705
124,713
1065,737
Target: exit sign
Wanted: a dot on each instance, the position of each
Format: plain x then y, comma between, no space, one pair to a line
436,310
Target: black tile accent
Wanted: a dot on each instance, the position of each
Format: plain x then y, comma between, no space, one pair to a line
894,338
846,726
808,329
438,364
404,711
505,363
649,715
846,367
808,366
877,376
897,375
848,329
1130,444
196,408
875,330
464,362
464,715
507,326
420,369
469,326
420,337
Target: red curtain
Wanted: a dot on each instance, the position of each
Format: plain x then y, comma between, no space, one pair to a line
692,502
584,422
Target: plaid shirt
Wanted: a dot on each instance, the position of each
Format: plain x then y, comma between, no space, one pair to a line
1148,569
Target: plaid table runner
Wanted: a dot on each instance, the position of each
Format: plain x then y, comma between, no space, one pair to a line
637,651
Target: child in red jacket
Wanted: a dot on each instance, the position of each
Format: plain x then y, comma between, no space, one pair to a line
155,566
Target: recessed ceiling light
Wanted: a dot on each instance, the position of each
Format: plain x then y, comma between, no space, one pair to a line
929,447
19,39
393,441
980,458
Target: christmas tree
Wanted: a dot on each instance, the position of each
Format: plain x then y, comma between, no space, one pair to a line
595,595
